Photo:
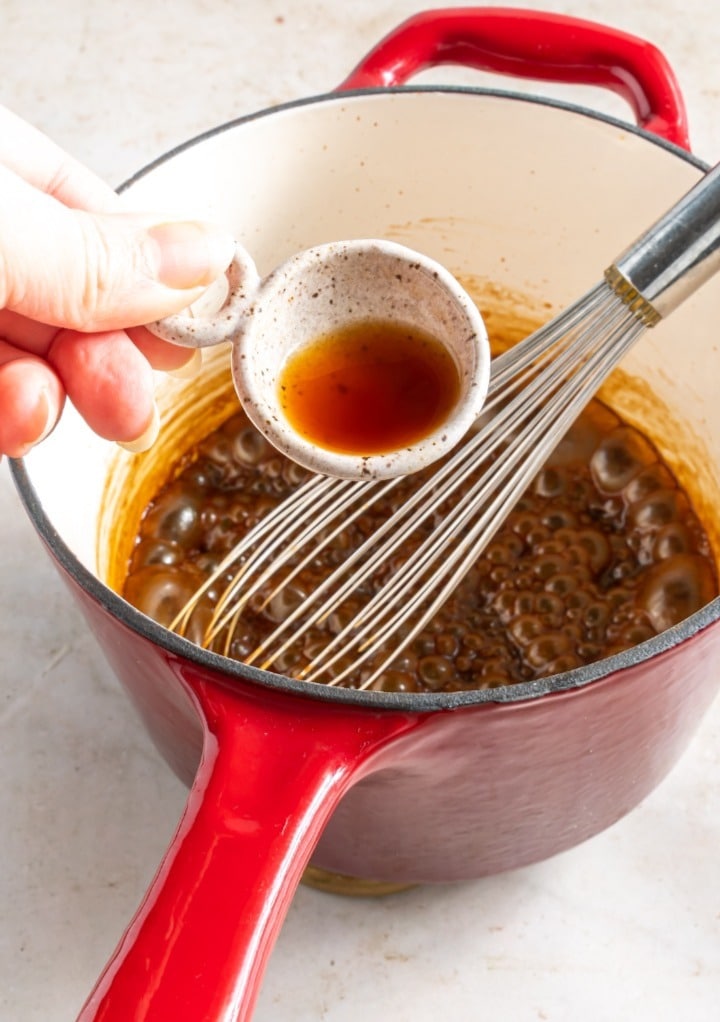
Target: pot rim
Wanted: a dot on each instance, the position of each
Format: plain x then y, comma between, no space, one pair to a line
413,702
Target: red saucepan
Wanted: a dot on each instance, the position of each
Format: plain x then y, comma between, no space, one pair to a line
536,197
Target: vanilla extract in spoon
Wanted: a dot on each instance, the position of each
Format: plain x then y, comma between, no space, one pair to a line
369,387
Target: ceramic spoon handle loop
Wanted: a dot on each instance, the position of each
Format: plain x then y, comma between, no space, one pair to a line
204,331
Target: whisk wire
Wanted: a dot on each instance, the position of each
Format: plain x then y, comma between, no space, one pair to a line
336,497
473,544
292,530
507,480
534,353
536,390
270,523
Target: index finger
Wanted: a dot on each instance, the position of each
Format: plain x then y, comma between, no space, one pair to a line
33,156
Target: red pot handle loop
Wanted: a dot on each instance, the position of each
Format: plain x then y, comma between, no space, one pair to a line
533,44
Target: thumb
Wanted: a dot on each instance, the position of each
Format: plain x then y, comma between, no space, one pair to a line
95,272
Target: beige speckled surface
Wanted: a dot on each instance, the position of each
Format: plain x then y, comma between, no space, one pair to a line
624,927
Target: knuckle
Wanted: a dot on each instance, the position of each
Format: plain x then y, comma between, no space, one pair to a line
97,283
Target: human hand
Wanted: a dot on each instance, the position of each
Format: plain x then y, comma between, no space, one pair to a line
78,277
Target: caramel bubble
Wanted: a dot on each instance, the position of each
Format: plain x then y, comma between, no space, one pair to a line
676,588
619,458
161,592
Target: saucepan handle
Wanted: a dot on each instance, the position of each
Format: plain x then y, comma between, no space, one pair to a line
533,44
272,770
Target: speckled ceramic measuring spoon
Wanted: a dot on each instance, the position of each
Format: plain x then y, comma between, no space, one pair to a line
323,290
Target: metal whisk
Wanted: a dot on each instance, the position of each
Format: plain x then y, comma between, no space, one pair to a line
537,390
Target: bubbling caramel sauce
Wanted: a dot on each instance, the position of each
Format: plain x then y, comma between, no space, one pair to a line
602,552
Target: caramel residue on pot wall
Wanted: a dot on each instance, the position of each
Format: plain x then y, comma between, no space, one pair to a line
189,411
509,315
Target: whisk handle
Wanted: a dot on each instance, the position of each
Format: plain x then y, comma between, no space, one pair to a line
672,259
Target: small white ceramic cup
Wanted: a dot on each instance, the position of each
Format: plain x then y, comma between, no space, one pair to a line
318,292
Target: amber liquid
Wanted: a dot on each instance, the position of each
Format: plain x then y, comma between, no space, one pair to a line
369,388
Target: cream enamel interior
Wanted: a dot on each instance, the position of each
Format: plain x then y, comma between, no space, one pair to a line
535,198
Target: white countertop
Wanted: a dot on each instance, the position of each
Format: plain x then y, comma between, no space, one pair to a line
625,927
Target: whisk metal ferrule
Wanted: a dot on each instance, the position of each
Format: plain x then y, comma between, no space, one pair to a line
640,307
672,259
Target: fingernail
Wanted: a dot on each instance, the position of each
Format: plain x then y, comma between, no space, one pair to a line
43,414
191,368
42,421
190,254
146,439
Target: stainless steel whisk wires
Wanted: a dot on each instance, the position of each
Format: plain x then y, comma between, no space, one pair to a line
303,519
538,366
537,390
421,585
